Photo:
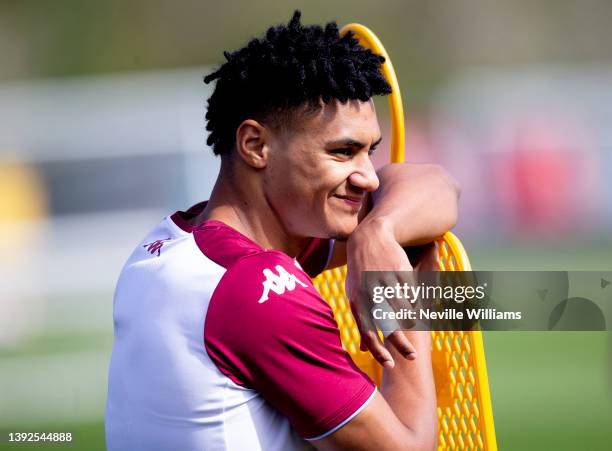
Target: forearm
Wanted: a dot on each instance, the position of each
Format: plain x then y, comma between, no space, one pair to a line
417,203
409,390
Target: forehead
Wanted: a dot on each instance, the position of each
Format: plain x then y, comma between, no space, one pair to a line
354,119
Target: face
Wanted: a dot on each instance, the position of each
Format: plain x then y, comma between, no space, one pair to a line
318,174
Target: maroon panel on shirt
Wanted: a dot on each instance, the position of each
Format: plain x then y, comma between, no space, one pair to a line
183,218
313,258
283,342
222,244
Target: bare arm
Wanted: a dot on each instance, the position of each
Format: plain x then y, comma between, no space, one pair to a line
402,416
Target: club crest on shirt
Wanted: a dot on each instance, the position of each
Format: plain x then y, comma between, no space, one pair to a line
155,246
278,283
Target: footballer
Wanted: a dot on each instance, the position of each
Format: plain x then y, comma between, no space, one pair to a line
221,340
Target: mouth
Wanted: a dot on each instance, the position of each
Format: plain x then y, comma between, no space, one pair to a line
354,201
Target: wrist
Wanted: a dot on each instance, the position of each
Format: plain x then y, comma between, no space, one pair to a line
379,226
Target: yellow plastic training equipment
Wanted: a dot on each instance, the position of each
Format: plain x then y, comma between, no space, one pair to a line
465,415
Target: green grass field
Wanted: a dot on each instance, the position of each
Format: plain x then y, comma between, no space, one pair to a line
550,390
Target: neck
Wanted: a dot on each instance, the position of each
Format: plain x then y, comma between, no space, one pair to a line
244,207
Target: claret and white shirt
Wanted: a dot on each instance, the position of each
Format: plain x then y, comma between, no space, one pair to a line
223,345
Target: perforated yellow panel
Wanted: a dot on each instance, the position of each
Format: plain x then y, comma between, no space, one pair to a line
465,417
331,286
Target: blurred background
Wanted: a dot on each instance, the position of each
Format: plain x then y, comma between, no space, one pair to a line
102,134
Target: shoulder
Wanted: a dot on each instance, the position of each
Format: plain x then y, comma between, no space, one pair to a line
270,287
270,275
254,276
222,244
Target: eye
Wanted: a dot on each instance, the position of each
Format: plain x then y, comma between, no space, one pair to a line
345,151
371,151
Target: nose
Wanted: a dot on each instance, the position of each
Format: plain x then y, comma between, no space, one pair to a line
364,177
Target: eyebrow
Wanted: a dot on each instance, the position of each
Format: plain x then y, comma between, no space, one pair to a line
349,142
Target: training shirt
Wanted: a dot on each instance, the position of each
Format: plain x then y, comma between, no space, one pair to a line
222,345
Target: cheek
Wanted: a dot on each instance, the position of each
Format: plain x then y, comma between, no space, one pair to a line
305,181
300,190
292,189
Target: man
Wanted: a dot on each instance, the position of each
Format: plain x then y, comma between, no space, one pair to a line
221,340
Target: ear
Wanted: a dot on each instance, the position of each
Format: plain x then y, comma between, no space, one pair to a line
252,143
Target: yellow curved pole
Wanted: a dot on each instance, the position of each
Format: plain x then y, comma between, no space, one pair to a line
452,257
369,40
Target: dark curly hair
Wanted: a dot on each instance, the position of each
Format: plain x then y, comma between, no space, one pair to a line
293,67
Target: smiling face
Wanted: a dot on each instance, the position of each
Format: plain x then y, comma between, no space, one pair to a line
319,172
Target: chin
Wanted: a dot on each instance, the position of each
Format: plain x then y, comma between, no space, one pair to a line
344,232
337,227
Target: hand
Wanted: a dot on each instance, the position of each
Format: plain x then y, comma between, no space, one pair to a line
373,248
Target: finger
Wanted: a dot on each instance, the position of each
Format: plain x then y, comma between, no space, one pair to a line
377,349
409,278
363,331
359,322
369,335
402,344
364,323
362,344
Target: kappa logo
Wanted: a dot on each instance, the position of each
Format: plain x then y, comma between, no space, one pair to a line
155,246
280,283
